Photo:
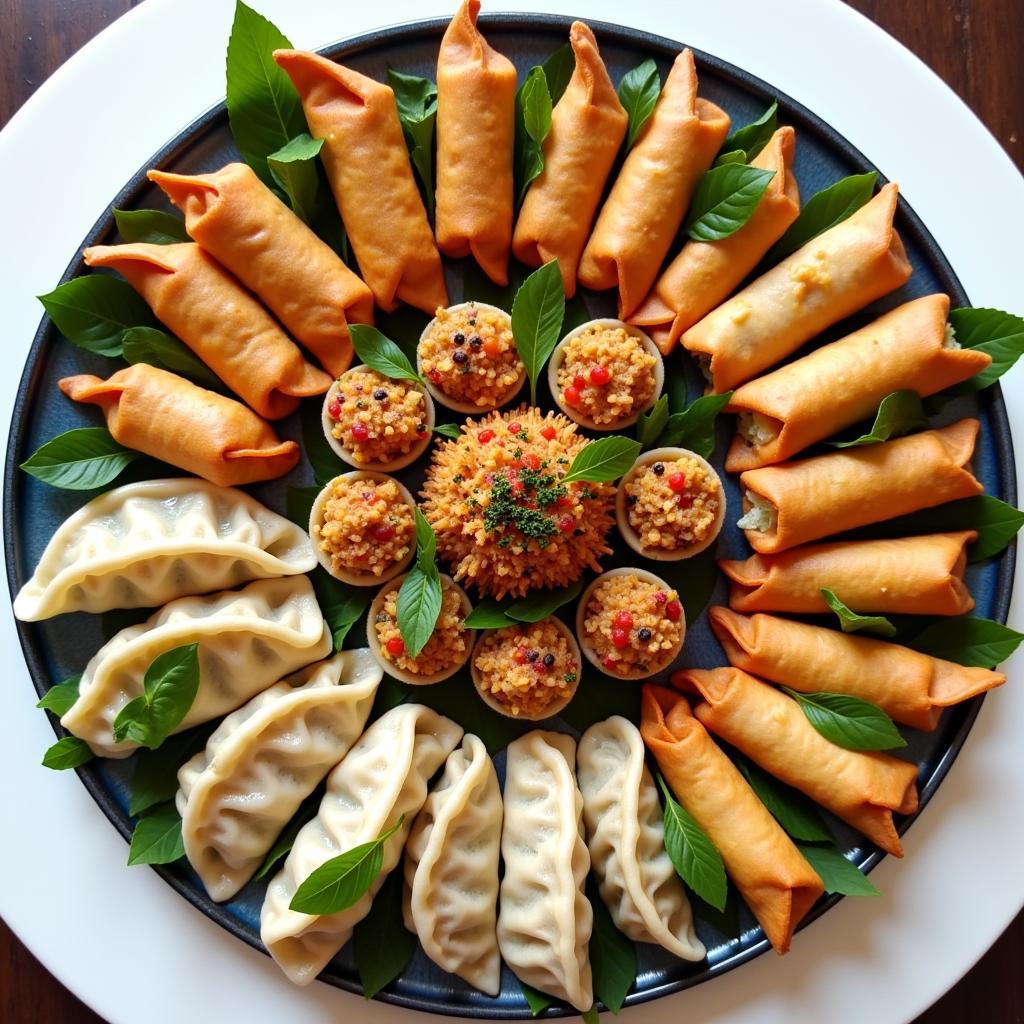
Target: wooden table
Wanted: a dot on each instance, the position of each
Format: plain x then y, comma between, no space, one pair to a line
975,45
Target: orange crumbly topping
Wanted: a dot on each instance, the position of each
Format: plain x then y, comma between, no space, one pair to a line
673,505
447,644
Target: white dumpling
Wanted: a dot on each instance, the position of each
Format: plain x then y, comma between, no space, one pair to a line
247,638
451,869
383,777
545,920
144,544
263,760
626,836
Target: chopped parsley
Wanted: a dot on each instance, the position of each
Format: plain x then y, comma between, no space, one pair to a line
503,510
458,478
570,677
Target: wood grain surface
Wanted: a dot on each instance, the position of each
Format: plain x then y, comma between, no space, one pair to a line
974,45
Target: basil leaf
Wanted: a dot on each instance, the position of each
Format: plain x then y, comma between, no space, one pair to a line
612,956
591,1016
753,137
381,945
736,156
299,504
724,200
651,424
540,606
848,721
603,460
789,807
452,430
726,921
154,226
999,334
538,1002
381,353
558,69
851,622
416,99
322,458
638,93
898,414
155,778
170,687
426,544
79,459
68,752
488,614
341,603
294,168
157,837
158,348
60,697
980,643
824,210
419,606
694,579
837,873
537,314
532,124
693,855
306,812
694,427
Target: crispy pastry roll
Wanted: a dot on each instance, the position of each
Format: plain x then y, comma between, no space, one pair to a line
476,99
787,410
797,502
164,415
861,788
778,885
242,224
588,125
653,190
832,276
219,320
704,274
910,687
907,575
368,167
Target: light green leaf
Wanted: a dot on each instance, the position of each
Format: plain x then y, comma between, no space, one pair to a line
68,752
416,99
694,427
558,69
60,697
999,334
851,622
79,460
603,460
651,424
419,606
848,721
381,353
638,93
898,414
170,687
294,168
533,123
157,837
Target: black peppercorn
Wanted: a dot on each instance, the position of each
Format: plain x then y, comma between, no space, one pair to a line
644,634
531,655
458,356
659,468
631,499
458,338
421,428
476,341
380,394
549,660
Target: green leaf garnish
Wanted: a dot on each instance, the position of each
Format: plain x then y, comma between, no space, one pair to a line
60,697
426,543
558,69
68,752
541,605
79,459
158,348
157,837
341,603
381,353
736,156
789,807
452,430
169,690
851,622
285,841
651,424
999,334
898,414
725,199
294,168
420,596
603,460
488,614
693,855
416,99
752,138
981,643
848,721
694,427
299,504
591,1016
612,956
824,210
537,313
322,458
154,226
638,93
538,1002
533,123
381,945
155,778
838,874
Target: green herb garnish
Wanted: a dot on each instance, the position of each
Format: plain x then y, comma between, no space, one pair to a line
638,93
80,459
851,622
157,837
981,643
532,125
824,210
749,140
694,427
724,200
693,855
898,414
60,698
155,226
537,314
848,721
416,99
67,752
603,460
420,596
170,686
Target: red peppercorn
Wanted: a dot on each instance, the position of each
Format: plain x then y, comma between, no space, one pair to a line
434,375
396,646
571,396
548,433
360,431
539,667
520,655
609,662
677,482
579,382
383,531
334,408
515,427
531,460
623,619
484,436
620,636
599,376
660,597
673,611
564,501
566,524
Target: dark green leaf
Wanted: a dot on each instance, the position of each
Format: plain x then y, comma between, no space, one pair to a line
694,427
158,348
537,313
612,956
452,430
381,353
544,603
790,808
488,614
725,199
737,156
837,873
533,122
824,210
294,168
999,334
306,812
299,504
693,855
419,605
341,603
726,921
68,752
694,579
155,778
426,544
416,99
851,622
753,137
537,1001
638,93
381,946
600,697
591,1016
968,641
848,721
154,226
79,459
171,684
157,837
59,698
389,695
322,458
603,460
558,69
651,424
898,414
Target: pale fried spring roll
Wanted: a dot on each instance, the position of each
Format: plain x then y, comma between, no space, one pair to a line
910,348
910,687
907,575
476,99
797,502
861,788
371,177
220,321
832,276
650,197
243,225
588,125
772,876
163,415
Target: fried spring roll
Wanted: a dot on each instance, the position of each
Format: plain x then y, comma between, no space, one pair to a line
778,885
244,226
832,276
368,167
476,100
797,502
650,197
219,320
908,575
861,788
910,687
588,125
163,415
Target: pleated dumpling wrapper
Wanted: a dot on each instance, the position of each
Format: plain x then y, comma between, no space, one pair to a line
247,639
476,99
786,411
772,876
383,777
705,274
144,544
161,414
863,788
236,796
588,125
797,502
833,275
368,167
903,576
220,321
244,226
910,687
545,920
649,199
451,869
626,837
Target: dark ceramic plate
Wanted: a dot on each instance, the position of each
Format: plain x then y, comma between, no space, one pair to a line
58,648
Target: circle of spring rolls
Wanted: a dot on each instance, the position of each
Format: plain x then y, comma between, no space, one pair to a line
705,274
910,687
244,226
772,876
650,197
161,414
832,276
219,320
368,167
588,125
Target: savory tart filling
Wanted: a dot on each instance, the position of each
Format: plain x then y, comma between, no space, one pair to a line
673,505
762,514
448,644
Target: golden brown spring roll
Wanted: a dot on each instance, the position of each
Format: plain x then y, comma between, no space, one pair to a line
371,177
244,226
908,575
832,276
705,274
650,197
220,321
772,876
797,502
588,125
910,687
476,102
788,410
861,788
163,415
